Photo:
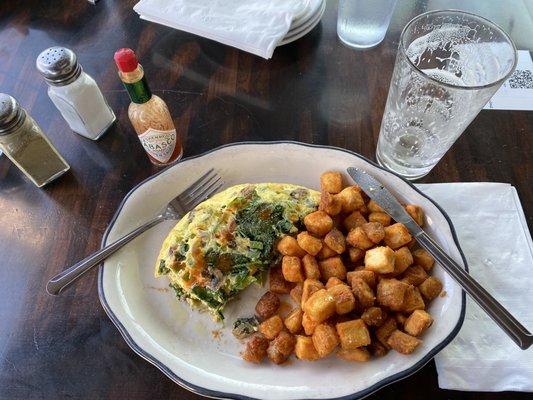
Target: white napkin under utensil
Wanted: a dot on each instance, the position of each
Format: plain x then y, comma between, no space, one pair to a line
496,241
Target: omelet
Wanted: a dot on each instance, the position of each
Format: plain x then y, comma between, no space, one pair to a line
228,242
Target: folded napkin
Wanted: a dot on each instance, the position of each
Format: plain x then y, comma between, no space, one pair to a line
495,239
255,26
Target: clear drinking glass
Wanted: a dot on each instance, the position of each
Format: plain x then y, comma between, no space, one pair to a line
448,66
362,24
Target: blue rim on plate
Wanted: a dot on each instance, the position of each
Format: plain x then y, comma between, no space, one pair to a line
221,395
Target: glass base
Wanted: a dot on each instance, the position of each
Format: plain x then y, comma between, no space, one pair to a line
403,175
357,46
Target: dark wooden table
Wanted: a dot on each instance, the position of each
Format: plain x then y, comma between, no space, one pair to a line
314,90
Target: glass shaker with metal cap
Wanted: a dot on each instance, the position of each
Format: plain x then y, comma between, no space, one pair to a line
75,94
24,143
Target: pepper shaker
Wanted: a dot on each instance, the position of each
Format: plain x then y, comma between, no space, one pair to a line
25,144
75,94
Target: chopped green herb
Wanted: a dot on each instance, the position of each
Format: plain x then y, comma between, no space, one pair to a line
162,268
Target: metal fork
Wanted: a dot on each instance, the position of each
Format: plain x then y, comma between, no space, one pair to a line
197,192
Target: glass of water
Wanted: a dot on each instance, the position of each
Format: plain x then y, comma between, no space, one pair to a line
362,24
448,66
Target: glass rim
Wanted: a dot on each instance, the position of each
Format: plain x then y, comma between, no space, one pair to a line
485,20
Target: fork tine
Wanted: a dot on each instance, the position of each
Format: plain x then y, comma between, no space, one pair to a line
208,191
196,184
194,192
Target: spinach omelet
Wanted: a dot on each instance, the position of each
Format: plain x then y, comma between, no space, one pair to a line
228,241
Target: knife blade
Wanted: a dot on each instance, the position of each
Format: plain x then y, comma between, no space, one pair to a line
381,195
377,192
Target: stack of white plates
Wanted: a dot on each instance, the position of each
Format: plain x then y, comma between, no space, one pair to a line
305,21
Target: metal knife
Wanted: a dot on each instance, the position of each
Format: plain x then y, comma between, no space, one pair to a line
377,192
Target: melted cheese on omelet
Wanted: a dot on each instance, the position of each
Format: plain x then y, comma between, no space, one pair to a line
227,242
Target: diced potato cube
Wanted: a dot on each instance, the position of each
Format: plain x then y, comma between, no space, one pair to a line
305,349
381,217
385,330
281,347
378,349
414,275
364,295
418,322
331,181
430,288
357,238
277,283
310,286
309,243
412,300
402,260
391,293
271,327
380,260
256,348
335,241
333,281
296,292
424,259
368,276
374,231
353,334
374,207
320,306
374,316
354,220
310,265
330,203
288,246
326,252
267,306
309,324
344,298
355,254
416,213
360,354
292,269
325,339
318,223
351,199
293,321
332,267
402,342
397,236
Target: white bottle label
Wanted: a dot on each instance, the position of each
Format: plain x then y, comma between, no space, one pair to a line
159,144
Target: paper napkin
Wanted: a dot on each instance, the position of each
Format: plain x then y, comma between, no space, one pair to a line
495,239
255,26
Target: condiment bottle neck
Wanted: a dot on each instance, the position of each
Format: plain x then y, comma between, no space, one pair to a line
136,85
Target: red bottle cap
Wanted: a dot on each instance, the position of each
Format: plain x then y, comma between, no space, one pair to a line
126,60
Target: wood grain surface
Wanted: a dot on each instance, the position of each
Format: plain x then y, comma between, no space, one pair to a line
314,90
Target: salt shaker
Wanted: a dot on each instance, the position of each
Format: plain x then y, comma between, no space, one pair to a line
24,143
75,94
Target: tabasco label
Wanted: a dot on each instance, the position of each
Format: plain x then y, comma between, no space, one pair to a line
159,144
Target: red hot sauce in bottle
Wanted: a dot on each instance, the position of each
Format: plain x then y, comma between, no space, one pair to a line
148,113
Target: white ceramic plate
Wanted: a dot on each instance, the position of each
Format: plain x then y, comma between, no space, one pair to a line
202,355
303,29
310,11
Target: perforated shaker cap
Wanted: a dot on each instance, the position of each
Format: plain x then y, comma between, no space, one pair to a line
11,114
58,65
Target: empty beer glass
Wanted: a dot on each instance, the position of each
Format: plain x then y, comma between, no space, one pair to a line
448,66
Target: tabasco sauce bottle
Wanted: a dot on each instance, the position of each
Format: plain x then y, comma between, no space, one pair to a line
148,114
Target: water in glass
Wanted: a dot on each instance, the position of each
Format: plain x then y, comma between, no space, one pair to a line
446,70
363,23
